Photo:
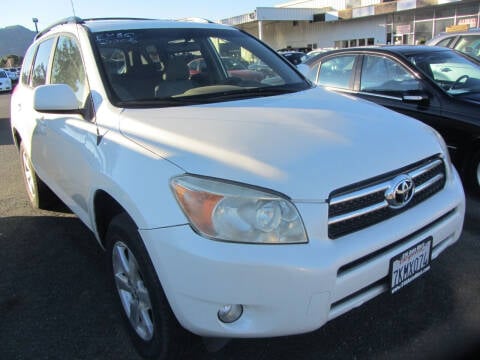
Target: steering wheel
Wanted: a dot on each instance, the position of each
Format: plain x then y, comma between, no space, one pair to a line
454,85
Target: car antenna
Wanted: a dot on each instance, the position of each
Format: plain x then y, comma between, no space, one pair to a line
73,8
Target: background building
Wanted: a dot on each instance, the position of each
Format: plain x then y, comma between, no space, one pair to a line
312,24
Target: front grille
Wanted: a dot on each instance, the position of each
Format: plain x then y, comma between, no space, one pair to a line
364,204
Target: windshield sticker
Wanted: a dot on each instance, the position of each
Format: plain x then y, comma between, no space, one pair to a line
113,38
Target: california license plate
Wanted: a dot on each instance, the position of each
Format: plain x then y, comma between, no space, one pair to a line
409,265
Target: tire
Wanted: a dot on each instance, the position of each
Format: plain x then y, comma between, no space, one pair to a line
473,175
150,322
39,194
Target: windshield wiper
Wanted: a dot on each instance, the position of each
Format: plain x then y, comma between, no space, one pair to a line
185,100
240,94
155,102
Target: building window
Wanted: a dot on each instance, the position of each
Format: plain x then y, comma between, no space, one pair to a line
423,31
371,41
443,12
441,25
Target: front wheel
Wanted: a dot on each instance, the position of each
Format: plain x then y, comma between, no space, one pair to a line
150,321
39,194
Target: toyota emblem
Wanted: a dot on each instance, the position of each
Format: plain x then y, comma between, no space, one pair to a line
400,191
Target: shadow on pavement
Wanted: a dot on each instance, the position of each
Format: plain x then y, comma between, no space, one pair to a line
5,132
57,302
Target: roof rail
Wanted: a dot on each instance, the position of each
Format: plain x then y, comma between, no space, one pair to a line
68,20
116,18
196,19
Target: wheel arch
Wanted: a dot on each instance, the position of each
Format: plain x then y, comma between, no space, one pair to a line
105,209
17,139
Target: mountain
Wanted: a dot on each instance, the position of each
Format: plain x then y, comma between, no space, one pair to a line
14,40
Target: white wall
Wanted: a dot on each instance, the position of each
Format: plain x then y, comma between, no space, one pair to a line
282,34
336,4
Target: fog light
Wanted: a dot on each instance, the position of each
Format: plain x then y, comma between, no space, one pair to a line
230,313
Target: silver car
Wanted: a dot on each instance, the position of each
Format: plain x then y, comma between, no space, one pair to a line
467,42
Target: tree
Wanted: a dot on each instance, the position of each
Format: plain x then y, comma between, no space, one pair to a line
11,61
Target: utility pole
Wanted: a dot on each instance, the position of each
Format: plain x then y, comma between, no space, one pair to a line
35,21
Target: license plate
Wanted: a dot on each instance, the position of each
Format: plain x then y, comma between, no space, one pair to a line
409,265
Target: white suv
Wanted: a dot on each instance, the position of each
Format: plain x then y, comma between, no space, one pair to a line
229,206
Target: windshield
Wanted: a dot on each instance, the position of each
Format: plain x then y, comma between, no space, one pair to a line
167,67
455,74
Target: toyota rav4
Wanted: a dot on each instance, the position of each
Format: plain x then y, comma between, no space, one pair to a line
228,206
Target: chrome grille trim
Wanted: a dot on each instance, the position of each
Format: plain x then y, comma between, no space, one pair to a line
364,205
354,214
429,183
359,193
424,169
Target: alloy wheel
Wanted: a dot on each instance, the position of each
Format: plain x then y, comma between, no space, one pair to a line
133,294
28,171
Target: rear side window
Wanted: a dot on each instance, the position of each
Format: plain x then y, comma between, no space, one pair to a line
67,68
445,42
337,71
27,65
40,67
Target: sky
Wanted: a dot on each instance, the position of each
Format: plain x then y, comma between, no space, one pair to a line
50,11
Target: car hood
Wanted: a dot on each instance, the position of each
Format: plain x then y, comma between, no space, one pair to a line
304,144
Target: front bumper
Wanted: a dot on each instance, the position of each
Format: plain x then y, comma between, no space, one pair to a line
5,88
292,289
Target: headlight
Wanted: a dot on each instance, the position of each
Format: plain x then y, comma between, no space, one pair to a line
231,212
444,147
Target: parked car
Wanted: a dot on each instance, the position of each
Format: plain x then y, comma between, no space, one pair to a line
315,52
234,67
11,74
229,208
5,81
295,57
15,71
467,42
438,86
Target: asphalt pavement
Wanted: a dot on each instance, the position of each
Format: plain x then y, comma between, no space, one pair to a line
56,301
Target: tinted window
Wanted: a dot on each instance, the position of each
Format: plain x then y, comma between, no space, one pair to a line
381,74
444,42
39,75
67,68
469,45
337,71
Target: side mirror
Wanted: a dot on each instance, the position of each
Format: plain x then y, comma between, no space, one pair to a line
55,98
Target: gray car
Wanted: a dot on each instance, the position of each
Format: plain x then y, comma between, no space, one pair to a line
467,42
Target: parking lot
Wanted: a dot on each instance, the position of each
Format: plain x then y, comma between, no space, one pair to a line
56,301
